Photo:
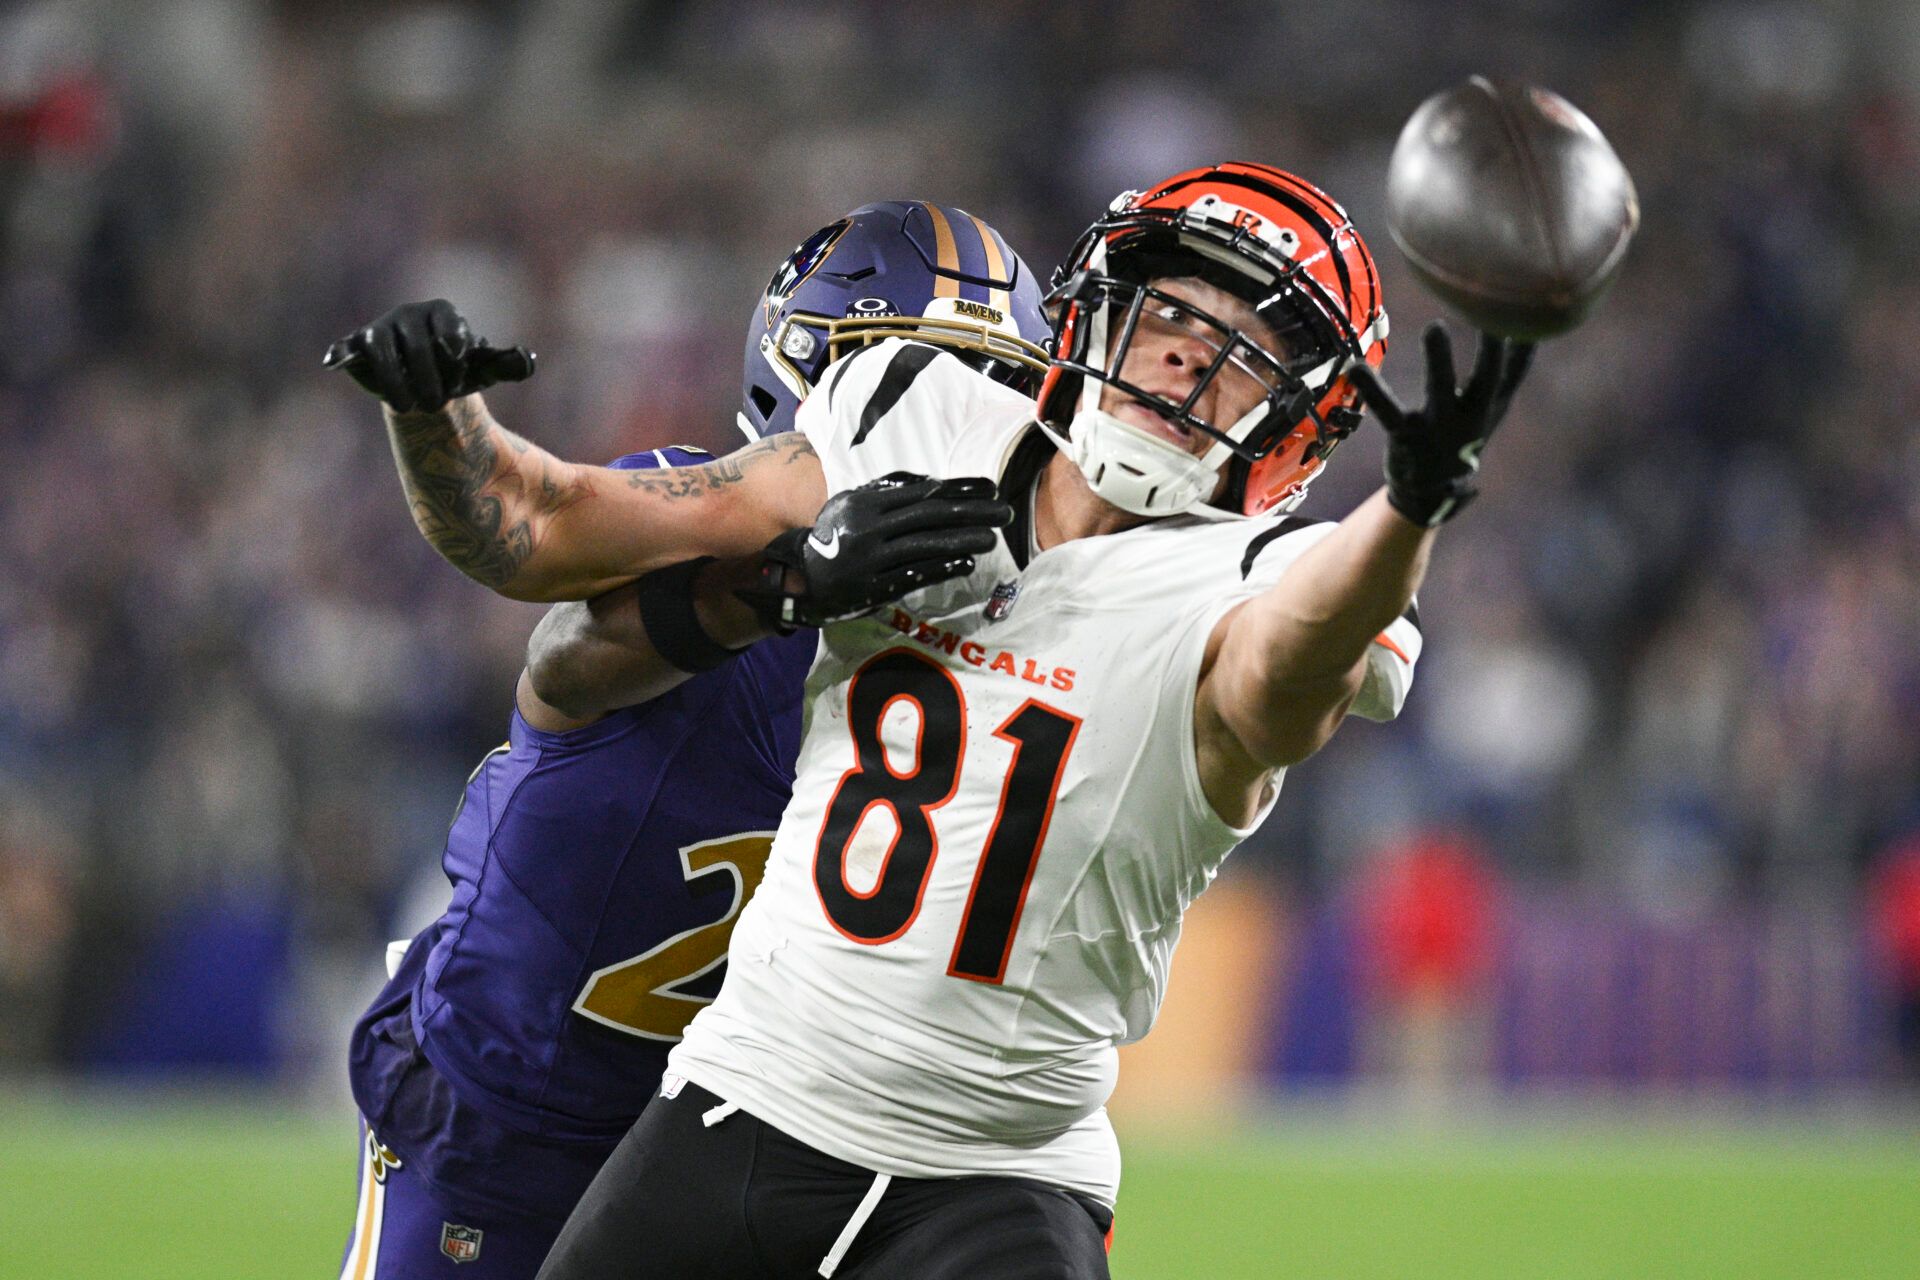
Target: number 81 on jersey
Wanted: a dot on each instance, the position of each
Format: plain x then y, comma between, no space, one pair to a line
1042,737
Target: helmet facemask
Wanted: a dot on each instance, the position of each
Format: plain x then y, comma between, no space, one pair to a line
989,343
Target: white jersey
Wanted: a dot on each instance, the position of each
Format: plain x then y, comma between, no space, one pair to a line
997,822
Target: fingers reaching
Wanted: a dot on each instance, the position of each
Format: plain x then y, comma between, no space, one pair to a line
1519,360
1375,393
1440,374
1489,368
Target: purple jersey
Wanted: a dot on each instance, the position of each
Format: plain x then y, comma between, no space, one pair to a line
596,875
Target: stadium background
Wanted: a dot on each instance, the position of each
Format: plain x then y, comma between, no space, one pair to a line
1595,964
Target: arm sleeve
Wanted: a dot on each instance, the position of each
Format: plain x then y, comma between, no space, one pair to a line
673,455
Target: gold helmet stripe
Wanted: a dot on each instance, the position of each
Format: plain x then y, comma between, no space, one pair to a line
996,265
945,252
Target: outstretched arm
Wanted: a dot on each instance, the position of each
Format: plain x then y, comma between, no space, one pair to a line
1284,667
1281,670
532,526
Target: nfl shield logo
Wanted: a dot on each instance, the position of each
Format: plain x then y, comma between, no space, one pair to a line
1000,603
462,1244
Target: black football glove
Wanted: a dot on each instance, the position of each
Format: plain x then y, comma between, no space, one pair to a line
874,544
1433,454
420,355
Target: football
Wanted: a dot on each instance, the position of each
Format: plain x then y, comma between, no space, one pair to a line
1510,204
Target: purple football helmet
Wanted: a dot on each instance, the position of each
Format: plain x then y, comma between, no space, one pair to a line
900,268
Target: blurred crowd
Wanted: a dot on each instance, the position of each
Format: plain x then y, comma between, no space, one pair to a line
1671,661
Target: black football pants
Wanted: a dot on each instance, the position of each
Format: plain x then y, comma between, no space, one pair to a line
739,1200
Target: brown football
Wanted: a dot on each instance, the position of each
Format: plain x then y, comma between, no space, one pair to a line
1511,206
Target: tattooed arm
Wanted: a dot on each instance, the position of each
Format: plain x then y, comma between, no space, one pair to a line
531,526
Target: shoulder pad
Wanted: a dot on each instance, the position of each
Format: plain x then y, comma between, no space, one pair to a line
896,405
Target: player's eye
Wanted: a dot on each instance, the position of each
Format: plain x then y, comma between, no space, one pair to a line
1176,318
1256,364
1179,322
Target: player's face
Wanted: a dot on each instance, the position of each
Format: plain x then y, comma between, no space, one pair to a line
1171,351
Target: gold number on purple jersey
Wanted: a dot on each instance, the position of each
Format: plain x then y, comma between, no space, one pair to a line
637,995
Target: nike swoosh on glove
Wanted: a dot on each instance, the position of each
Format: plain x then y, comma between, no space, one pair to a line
874,544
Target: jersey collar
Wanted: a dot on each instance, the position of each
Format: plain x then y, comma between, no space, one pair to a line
1018,485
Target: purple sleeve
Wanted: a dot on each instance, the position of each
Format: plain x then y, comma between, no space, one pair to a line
674,455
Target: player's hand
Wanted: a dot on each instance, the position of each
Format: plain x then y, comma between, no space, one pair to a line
873,545
420,355
1433,453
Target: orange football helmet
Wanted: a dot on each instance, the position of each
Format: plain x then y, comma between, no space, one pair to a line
1266,236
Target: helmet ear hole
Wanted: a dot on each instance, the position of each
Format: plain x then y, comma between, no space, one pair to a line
763,402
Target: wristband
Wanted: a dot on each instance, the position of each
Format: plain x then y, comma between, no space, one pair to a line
665,597
1428,500
777,610
1432,507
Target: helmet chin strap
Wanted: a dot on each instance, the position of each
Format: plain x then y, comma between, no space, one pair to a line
1136,470
1131,467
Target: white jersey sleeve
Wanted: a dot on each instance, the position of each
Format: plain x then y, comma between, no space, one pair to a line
1394,652
898,405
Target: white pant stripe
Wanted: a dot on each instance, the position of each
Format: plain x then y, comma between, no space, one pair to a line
363,1259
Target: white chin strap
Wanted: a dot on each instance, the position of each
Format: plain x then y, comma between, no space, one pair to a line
1136,470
